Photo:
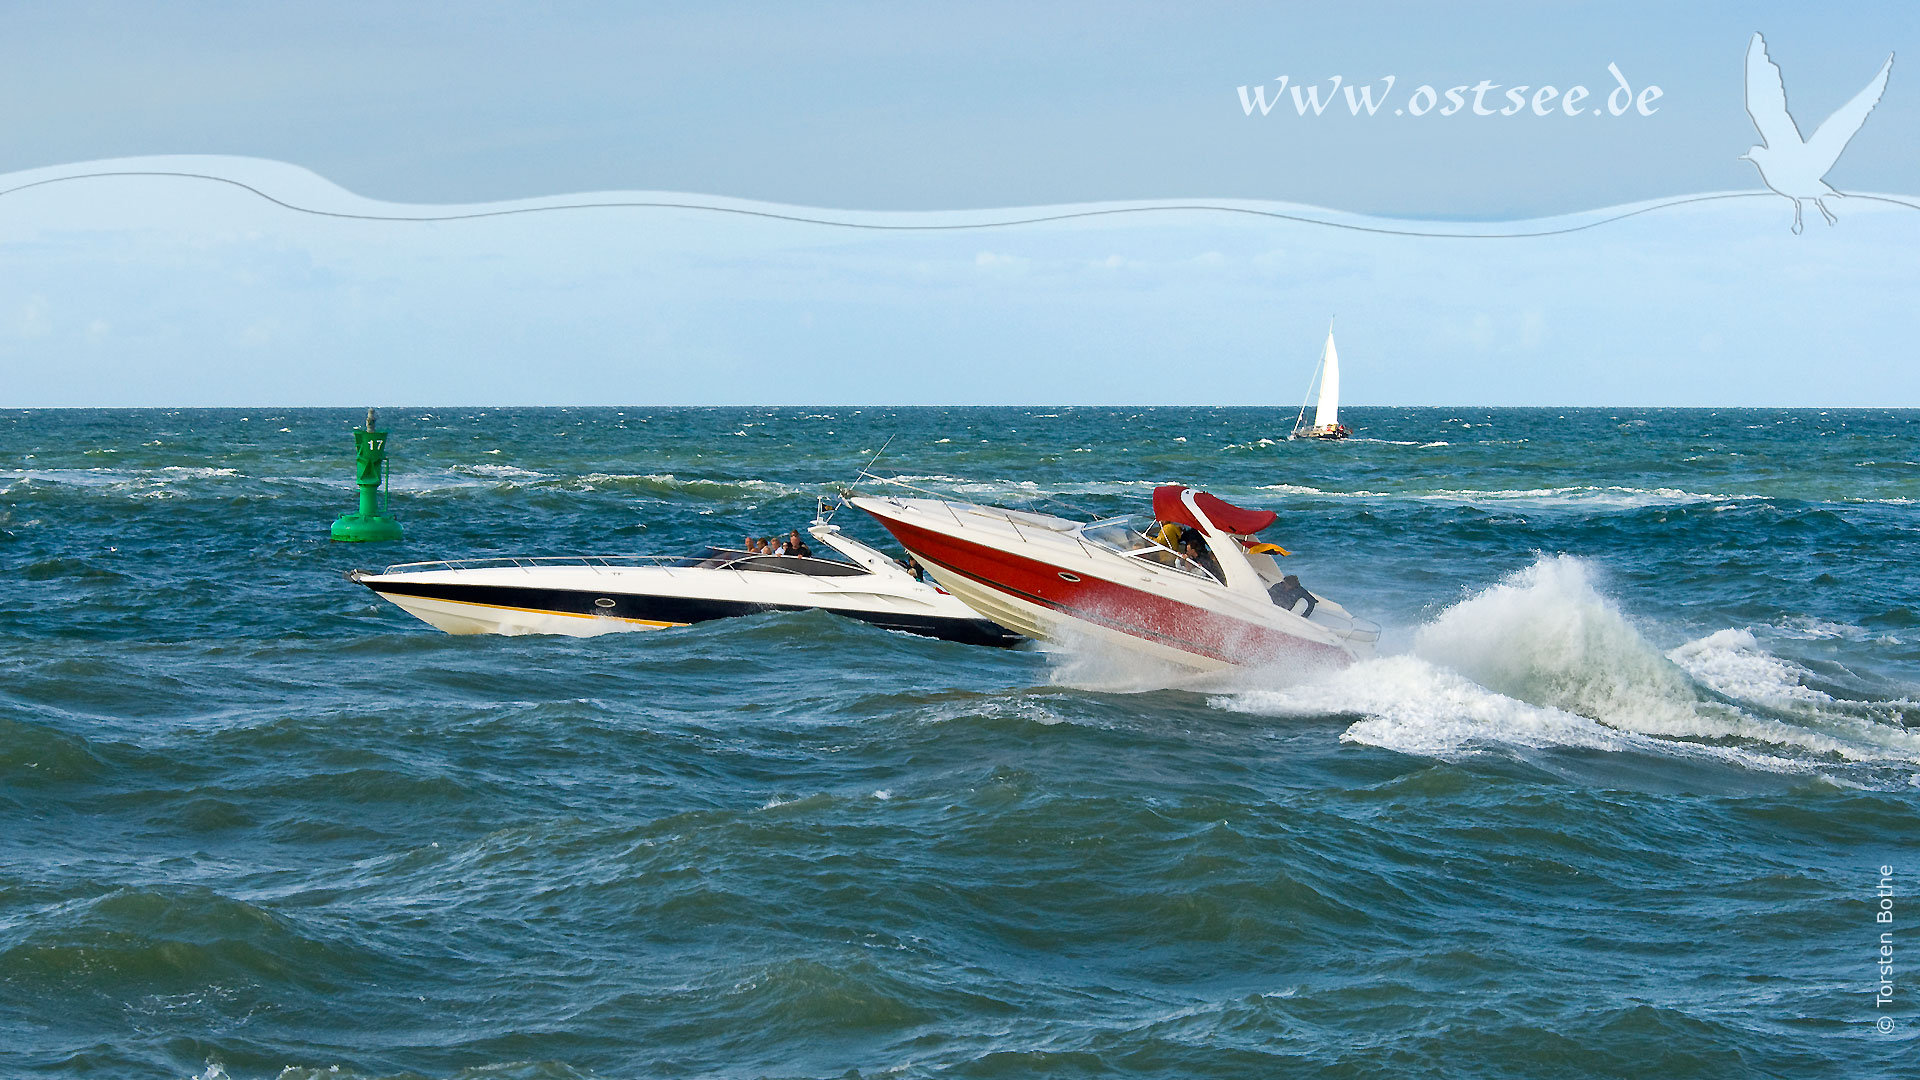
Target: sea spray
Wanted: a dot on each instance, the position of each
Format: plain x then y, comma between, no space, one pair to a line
1542,658
1545,635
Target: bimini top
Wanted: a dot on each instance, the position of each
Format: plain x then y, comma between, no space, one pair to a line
1224,515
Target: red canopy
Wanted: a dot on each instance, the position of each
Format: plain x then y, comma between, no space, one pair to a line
1167,506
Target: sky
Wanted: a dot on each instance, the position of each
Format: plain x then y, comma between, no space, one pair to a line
116,293
934,106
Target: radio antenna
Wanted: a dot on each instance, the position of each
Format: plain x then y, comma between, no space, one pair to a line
866,470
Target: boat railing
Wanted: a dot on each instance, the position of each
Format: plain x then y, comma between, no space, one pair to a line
526,562
1032,519
718,559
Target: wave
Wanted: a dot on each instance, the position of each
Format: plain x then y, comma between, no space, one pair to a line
492,472
1543,660
165,482
1579,495
662,485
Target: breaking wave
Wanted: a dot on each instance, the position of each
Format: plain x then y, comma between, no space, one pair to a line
1543,659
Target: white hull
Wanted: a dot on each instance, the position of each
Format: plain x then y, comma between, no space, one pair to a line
1104,582
590,596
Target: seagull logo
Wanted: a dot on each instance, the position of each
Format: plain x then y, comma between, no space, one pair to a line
1790,165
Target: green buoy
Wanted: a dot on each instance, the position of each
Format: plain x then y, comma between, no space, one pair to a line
371,522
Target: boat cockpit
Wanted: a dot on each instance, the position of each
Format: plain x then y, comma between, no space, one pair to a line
1134,537
719,558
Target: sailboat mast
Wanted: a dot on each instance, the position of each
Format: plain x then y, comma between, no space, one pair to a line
1317,369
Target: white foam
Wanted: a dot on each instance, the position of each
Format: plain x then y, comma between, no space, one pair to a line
1417,707
493,471
1543,658
1087,662
1604,498
1545,635
1733,663
1295,489
1808,628
117,478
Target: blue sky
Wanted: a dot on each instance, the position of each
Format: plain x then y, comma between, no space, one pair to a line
148,293
933,106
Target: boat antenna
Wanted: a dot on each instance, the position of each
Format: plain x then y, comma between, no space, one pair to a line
866,470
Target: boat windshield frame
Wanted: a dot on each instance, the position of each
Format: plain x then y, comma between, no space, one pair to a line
1109,533
722,558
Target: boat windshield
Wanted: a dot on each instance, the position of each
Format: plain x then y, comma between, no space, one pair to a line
710,558
795,564
719,558
1125,535
1128,536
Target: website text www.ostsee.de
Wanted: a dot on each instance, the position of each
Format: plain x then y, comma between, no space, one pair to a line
1484,98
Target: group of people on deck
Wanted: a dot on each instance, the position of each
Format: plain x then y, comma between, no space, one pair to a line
774,545
1187,542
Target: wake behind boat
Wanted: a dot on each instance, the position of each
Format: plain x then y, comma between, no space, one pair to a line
590,595
1188,585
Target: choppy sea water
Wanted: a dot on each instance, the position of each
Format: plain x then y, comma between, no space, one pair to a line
1613,800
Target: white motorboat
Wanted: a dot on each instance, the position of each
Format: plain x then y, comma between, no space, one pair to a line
590,595
1326,411
1188,585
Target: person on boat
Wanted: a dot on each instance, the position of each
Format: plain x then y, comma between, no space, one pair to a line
1197,552
797,546
1168,535
1289,593
749,545
774,546
913,567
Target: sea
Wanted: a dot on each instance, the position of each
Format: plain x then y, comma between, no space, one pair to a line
1631,787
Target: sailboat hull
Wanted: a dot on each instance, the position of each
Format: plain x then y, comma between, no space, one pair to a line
1338,431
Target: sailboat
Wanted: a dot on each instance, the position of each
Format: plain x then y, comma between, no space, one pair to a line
1326,412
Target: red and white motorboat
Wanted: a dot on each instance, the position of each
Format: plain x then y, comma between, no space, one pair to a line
1121,581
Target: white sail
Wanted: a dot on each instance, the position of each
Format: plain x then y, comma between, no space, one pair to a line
1327,413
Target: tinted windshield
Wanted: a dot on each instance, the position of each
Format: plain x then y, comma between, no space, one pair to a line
719,558
711,557
794,564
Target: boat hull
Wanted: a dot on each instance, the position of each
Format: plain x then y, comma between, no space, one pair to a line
1042,598
1325,434
465,602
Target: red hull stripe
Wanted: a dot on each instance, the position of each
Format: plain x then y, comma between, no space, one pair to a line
1105,603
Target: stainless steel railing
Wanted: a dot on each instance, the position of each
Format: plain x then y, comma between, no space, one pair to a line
529,561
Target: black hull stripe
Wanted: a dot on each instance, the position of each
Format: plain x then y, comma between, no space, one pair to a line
683,609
